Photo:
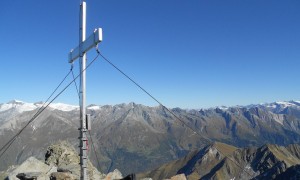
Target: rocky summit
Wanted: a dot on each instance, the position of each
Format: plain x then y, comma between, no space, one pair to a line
61,162
136,138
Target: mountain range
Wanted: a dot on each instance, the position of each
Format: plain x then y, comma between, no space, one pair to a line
136,138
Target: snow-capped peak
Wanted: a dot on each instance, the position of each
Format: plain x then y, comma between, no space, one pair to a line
280,105
18,106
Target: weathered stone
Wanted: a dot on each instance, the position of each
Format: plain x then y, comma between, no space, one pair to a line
28,176
32,167
63,170
179,177
62,176
66,158
116,174
61,154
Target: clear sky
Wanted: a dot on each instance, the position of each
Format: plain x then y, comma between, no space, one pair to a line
188,54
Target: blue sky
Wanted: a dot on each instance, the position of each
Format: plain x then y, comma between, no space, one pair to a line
188,54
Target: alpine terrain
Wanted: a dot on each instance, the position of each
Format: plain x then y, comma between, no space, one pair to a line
135,138
221,161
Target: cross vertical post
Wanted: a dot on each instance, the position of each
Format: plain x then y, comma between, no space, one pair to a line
80,52
82,60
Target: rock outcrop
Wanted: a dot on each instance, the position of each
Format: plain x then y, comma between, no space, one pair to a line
31,168
66,159
116,174
61,163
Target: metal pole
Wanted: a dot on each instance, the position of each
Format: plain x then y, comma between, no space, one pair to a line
83,130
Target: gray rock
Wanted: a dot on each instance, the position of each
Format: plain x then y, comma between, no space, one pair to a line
116,174
65,157
32,167
29,175
62,176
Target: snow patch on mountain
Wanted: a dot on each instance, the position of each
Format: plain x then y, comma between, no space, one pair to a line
285,103
94,107
273,106
224,108
63,107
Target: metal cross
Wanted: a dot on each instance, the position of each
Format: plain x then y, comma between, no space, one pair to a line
80,52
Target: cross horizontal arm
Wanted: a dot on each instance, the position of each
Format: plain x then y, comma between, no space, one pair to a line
86,45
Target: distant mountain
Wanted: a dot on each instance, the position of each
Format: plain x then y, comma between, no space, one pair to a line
220,161
136,138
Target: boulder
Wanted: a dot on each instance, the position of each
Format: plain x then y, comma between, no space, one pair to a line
66,158
31,168
29,175
116,174
62,176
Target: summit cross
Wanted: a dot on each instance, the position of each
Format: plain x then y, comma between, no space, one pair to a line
80,52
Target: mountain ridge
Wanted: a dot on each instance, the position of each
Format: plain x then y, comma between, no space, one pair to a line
68,107
266,162
143,137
